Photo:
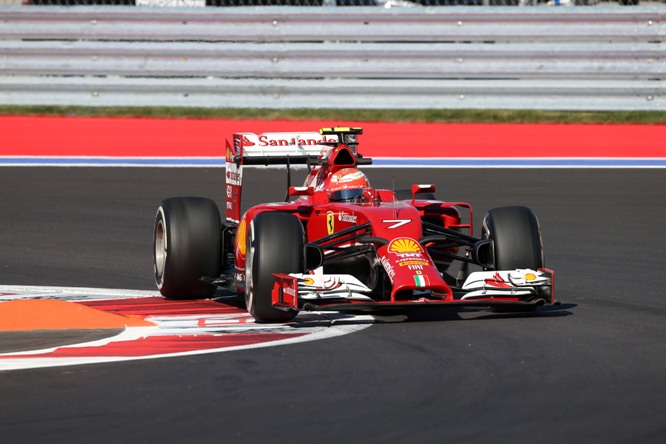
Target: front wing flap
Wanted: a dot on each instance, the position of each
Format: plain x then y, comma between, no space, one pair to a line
521,284
522,287
293,290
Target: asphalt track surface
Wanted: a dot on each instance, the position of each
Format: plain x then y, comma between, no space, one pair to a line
591,370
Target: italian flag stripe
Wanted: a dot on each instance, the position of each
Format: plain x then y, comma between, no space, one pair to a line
420,281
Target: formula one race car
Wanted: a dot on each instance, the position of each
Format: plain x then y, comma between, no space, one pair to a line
338,244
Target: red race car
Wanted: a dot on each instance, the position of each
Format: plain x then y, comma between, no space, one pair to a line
339,244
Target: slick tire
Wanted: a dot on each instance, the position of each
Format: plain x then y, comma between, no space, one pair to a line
275,244
516,236
517,244
186,247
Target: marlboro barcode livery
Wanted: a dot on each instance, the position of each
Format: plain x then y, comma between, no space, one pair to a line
338,244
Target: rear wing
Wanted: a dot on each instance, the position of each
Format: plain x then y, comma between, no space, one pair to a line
283,148
344,134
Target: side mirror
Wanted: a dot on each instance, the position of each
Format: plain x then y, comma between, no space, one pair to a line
483,253
422,189
314,257
301,191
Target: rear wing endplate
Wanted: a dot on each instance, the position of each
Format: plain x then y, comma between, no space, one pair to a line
280,148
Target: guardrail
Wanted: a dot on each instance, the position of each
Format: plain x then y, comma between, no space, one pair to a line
273,57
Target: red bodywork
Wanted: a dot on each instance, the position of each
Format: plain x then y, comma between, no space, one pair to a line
403,250
408,264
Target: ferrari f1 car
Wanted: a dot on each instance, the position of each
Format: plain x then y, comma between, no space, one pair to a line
337,244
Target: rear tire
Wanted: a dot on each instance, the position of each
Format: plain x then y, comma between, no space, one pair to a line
275,244
186,247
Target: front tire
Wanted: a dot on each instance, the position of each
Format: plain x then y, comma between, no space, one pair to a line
275,244
186,247
517,244
516,237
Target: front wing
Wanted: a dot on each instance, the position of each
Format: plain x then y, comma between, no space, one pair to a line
522,288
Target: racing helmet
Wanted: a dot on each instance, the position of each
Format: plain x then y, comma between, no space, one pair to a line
347,185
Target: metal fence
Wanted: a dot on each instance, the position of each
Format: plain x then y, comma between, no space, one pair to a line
310,3
376,58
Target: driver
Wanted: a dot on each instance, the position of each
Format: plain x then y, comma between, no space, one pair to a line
348,185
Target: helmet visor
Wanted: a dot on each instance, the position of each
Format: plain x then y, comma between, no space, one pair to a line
346,195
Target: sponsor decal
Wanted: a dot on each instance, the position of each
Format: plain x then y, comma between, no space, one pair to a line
232,193
247,142
530,277
289,290
330,222
308,281
267,141
412,262
421,281
388,267
347,217
347,177
409,254
233,176
404,245
241,237
396,223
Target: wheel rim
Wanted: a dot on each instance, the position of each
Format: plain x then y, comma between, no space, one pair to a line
160,249
249,259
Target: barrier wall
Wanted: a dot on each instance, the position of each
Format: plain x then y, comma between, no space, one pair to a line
601,58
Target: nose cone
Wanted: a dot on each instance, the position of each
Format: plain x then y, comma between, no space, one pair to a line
411,270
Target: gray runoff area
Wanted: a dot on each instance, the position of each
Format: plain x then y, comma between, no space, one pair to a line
590,370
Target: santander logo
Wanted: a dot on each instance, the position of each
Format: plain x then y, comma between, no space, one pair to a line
299,140
293,141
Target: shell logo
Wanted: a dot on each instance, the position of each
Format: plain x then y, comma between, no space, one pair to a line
241,237
404,245
308,281
530,277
